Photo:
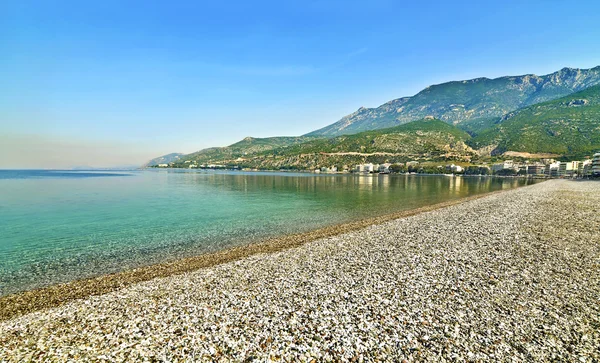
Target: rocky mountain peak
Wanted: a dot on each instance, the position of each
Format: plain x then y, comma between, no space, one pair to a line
478,98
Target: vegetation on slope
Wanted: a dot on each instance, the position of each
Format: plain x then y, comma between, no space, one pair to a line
478,125
569,126
247,146
427,139
414,138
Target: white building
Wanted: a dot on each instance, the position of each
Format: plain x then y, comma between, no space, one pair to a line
552,169
163,165
585,168
325,169
366,168
506,164
568,168
596,164
456,168
384,168
535,169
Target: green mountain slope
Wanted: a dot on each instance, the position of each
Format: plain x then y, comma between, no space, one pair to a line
245,147
418,137
569,126
477,100
165,159
423,139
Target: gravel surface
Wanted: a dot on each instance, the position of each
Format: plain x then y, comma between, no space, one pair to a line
513,276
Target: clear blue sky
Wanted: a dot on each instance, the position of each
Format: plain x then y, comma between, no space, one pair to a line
137,79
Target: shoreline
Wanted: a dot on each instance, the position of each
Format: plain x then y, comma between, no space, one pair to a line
22,303
337,173
511,276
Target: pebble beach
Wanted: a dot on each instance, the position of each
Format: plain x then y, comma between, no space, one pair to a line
512,276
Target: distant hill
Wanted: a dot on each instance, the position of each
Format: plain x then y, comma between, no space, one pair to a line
165,159
474,103
428,138
248,145
568,126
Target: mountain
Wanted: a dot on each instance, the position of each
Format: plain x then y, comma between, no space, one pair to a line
568,126
415,138
165,159
429,139
555,114
474,103
248,145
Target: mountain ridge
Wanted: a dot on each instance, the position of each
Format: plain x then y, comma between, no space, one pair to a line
494,135
467,100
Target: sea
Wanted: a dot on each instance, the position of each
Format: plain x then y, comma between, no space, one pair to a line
57,226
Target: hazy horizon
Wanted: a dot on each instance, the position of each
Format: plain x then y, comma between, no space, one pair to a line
105,84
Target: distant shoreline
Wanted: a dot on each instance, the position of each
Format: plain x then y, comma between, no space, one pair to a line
21,303
309,172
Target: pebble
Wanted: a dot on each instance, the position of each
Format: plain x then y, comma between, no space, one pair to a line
513,276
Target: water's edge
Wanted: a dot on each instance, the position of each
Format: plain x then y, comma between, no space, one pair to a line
21,303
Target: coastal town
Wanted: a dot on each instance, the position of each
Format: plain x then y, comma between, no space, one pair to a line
542,168
549,168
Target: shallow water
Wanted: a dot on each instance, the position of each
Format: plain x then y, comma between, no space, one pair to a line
56,226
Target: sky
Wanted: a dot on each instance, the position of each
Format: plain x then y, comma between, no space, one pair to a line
116,83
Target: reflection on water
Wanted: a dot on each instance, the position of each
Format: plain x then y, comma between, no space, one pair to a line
61,228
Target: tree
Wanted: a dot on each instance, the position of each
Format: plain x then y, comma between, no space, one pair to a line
397,168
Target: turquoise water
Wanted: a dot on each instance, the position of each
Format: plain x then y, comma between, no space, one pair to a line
56,226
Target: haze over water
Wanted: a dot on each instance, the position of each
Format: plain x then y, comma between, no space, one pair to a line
57,226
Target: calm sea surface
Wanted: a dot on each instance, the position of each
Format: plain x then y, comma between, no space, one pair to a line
56,226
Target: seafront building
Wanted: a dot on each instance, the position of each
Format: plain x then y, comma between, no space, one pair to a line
535,169
568,168
552,169
596,164
454,168
505,165
366,168
332,169
373,168
384,168
585,168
